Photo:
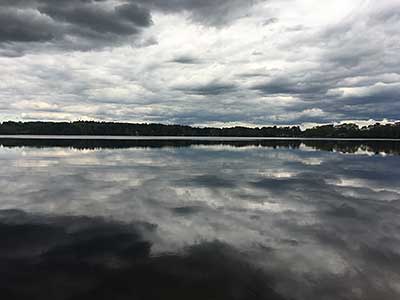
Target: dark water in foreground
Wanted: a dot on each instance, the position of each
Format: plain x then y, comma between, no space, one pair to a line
104,219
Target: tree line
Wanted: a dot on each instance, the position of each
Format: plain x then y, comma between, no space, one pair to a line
347,130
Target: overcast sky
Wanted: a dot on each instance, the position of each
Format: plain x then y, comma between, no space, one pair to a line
200,62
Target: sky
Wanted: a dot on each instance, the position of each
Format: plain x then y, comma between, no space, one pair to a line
200,62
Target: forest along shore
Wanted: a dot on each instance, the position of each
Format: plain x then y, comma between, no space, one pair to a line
348,130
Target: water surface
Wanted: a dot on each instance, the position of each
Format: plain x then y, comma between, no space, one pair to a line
199,219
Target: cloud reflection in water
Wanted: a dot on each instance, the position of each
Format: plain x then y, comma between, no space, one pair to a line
318,224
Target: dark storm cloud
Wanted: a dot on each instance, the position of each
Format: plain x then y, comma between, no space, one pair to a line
122,20
25,26
87,24
212,88
186,60
211,12
285,85
80,25
134,13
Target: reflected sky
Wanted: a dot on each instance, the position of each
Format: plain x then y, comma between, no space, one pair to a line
321,224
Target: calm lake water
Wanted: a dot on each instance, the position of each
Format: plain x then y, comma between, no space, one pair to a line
199,219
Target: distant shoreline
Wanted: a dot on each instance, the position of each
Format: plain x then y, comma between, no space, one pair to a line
141,131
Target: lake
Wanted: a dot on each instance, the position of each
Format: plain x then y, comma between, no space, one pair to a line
201,218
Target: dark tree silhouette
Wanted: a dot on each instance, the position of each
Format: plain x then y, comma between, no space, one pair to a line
131,129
